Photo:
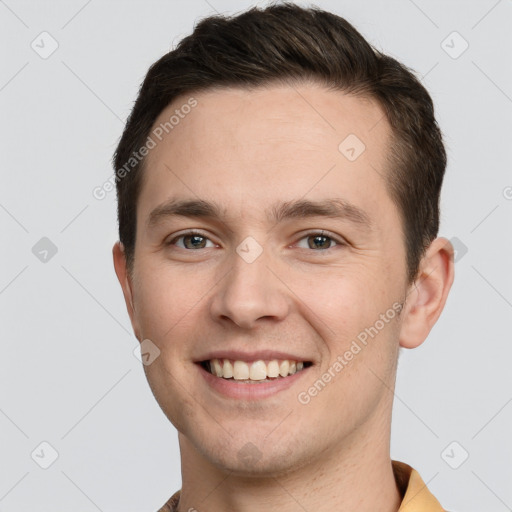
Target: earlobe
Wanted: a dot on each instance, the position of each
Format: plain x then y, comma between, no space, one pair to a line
427,295
123,276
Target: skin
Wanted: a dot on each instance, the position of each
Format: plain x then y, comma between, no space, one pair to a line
246,150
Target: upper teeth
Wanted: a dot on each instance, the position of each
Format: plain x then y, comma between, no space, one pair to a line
257,370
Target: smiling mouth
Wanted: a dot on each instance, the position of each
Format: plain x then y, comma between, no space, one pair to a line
254,372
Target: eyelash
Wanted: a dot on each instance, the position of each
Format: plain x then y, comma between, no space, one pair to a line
326,234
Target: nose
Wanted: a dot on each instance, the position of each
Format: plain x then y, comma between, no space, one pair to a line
250,293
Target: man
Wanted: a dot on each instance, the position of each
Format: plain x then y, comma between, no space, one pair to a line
278,184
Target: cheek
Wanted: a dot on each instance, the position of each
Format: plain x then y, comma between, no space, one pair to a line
166,300
341,299
355,313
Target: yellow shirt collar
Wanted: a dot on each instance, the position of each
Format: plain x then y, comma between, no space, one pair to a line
416,496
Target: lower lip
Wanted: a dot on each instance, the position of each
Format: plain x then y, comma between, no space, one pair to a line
243,391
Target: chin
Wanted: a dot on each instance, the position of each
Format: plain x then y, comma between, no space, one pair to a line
260,458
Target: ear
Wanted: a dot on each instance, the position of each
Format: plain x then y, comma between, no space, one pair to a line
125,281
427,295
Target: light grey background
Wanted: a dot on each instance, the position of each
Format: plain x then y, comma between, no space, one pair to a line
68,373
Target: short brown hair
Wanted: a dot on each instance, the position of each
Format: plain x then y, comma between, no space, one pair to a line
288,43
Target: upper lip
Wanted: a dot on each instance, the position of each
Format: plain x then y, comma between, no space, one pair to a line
239,355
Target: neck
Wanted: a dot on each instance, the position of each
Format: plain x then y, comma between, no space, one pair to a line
358,476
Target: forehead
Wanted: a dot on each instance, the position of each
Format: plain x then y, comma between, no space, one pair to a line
306,113
267,144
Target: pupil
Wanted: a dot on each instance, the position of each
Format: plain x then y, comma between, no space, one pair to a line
318,241
196,241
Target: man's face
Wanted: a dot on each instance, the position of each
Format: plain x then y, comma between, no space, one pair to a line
249,285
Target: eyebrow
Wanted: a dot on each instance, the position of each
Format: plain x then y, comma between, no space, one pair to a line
301,208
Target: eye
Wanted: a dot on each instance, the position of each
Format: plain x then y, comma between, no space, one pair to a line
319,240
191,240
